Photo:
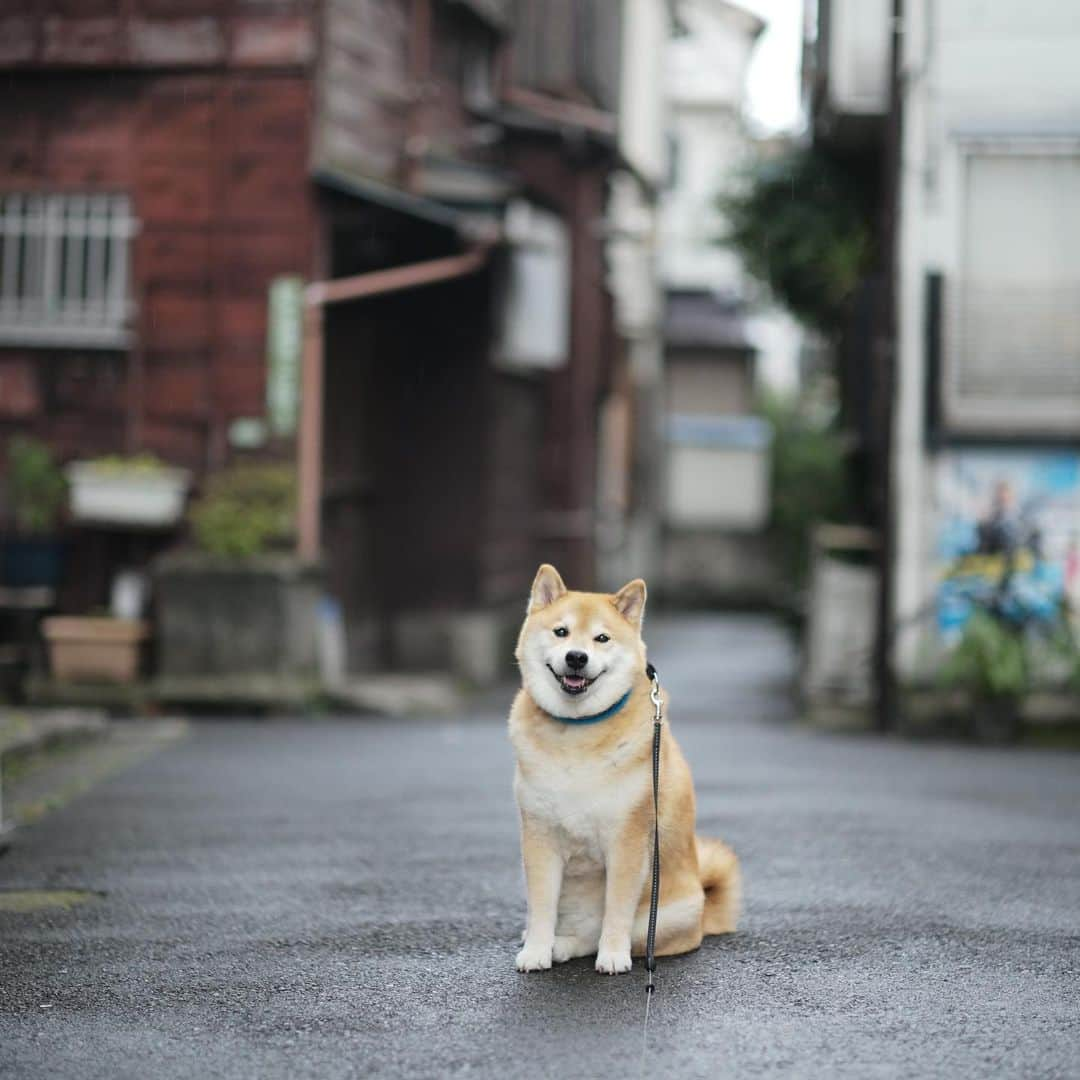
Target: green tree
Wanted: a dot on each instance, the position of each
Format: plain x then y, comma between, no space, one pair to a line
801,223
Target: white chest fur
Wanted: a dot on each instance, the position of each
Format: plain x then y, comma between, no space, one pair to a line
585,803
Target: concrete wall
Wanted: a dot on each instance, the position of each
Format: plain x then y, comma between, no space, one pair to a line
642,108
858,55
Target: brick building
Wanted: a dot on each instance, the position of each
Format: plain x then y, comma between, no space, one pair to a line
162,163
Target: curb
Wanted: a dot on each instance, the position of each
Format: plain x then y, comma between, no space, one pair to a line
24,731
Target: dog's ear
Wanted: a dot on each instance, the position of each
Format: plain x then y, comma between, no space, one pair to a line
547,587
630,601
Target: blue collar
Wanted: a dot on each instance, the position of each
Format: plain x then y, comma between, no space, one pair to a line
610,711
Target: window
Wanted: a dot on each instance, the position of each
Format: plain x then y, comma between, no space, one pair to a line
477,75
1013,350
64,269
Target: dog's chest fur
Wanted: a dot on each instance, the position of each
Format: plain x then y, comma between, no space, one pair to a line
585,798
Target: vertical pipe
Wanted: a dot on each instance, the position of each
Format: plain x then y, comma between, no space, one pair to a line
311,430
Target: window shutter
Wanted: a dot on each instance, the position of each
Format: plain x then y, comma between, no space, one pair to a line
1014,313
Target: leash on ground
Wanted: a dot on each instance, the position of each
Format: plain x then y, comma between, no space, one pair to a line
654,897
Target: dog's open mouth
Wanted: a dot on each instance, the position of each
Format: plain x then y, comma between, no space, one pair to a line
573,684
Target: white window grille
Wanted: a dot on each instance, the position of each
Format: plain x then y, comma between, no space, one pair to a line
1013,314
65,269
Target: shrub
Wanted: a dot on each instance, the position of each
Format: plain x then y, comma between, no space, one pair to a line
990,660
246,510
809,482
35,484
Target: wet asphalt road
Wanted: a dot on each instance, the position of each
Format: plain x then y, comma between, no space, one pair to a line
336,898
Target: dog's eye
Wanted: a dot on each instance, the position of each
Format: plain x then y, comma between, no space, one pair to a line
561,631
601,638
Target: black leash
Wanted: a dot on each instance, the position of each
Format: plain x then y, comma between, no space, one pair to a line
654,899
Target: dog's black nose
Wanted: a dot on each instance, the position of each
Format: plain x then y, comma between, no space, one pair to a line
576,660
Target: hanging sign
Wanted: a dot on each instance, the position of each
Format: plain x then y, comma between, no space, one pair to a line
284,343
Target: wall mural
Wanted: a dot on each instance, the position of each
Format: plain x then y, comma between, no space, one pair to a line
1008,536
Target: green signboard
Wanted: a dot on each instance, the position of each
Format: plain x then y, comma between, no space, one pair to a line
284,344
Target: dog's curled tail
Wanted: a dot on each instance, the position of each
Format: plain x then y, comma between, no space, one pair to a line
722,881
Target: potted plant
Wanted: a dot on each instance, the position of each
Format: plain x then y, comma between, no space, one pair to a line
36,490
141,490
88,648
992,664
241,601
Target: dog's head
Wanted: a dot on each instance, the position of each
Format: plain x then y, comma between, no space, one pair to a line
580,652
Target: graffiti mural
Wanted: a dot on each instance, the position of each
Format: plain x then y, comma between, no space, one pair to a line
1009,535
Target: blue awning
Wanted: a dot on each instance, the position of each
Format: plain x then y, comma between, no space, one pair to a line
720,432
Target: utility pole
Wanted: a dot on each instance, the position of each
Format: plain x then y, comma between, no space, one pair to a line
884,360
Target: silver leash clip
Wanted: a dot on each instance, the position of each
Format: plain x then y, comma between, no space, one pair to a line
654,697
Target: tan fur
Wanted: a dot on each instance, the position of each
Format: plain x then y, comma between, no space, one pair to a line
584,794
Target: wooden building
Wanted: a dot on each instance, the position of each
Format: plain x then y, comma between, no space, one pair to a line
164,163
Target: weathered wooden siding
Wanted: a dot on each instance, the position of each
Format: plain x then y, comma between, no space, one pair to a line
390,85
363,88
569,49
213,151
576,189
405,449
515,484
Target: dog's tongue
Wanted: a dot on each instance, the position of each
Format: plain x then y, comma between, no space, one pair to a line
575,682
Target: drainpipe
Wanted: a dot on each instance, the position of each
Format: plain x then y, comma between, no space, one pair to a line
317,297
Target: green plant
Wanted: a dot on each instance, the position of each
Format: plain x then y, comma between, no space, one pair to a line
35,484
135,463
1064,646
246,510
809,482
990,660
801,223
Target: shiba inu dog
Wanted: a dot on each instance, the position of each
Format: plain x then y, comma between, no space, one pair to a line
582,731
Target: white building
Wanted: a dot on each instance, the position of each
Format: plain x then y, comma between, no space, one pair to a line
989,297
984,450
705,78
716,492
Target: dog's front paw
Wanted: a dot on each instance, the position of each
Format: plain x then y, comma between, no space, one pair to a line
534,958
612,961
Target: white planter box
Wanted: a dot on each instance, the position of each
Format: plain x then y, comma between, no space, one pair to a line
119,497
